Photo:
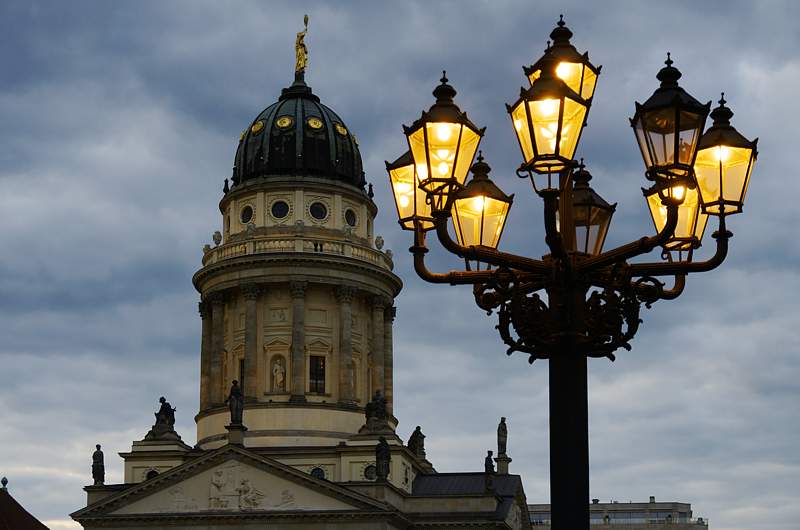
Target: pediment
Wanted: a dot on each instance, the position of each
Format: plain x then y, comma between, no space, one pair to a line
231,479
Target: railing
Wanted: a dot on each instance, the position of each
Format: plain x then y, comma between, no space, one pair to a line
700,522
308,244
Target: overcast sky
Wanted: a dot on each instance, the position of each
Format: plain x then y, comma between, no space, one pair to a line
119,122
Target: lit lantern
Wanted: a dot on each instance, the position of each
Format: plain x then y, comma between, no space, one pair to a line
691,220
548,119
573,67
443,143
667,127
480,209
590,212
724,163
412,208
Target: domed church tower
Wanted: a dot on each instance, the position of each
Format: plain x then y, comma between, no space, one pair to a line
297,303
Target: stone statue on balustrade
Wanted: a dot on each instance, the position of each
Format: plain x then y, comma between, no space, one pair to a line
164,427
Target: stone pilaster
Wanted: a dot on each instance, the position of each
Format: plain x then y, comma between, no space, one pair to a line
249,376
379,304
298,292
388,358
216,384
344,295
205,355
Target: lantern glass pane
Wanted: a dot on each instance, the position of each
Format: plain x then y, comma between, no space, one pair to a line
571,127
691,221
535,75
659,128
409,199
591,225
544,116
417,143
577,76
727,168
466,152
690,124
589,83
520,119
641,139
442,148
479,220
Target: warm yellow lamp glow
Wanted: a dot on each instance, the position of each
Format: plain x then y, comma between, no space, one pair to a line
412,207
724,164
480,210
691,221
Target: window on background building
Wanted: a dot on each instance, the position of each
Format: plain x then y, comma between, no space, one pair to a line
241,374
316,376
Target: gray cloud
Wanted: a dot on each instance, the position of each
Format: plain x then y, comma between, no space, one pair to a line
118,123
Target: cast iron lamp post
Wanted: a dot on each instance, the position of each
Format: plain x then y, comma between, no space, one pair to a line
576,301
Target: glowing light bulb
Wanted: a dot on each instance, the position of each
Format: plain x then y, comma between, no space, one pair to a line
443,154
478,202
678,192
403,187
443,168
562,70
518,124
443,131
548,107
422,171
404,202
722,153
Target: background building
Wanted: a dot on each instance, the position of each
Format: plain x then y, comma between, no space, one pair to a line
614,515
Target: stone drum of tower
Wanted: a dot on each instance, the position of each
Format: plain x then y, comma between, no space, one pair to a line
296,301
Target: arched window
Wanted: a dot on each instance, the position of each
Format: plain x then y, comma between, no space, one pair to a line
151,474
318,472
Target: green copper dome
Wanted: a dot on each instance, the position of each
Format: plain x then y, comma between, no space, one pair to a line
298,135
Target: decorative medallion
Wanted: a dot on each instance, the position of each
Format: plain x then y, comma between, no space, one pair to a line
355,139
257,127
241,136
284,122
341,129
314,123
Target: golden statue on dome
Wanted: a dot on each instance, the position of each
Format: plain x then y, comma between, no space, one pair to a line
300,50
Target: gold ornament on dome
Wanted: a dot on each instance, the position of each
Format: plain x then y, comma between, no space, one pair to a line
355,139
341,129
241,136
257,127
300,50
315,123
284,122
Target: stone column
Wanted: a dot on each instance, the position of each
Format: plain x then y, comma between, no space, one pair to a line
388,360
378,307
205,355
344,295
298,291
216,384
249,383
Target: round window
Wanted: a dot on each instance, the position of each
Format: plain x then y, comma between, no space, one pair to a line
314,123
318,472
280,209
246,214
318,211
350,217
370,472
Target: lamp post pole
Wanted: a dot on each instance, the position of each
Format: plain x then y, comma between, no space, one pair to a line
577,301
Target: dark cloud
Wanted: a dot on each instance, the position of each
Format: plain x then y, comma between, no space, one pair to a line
118,123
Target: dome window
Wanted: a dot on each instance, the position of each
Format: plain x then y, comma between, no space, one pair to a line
318,211
246,215
257,127
341,129
284,122
370,472
350,217
314,123
318,472
280,209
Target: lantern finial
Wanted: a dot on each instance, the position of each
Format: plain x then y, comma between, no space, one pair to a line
561,34
444,93
669,75
722,115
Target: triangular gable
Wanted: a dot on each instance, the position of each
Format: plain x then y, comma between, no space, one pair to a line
231,479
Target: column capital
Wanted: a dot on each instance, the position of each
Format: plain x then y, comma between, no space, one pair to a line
216,298
380,302
251,291
298,289
345,293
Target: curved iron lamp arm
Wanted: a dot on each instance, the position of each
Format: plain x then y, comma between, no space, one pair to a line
663,269
635,248
485,254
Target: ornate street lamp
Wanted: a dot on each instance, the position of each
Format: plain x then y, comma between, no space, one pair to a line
412,207
443,142
668,126
480,209
724,163
578,301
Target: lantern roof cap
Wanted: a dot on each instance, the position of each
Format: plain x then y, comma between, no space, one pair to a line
669,75
722,132
482,185
444,110
561,33
402,161
670,93
561,50
583,193
548,84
